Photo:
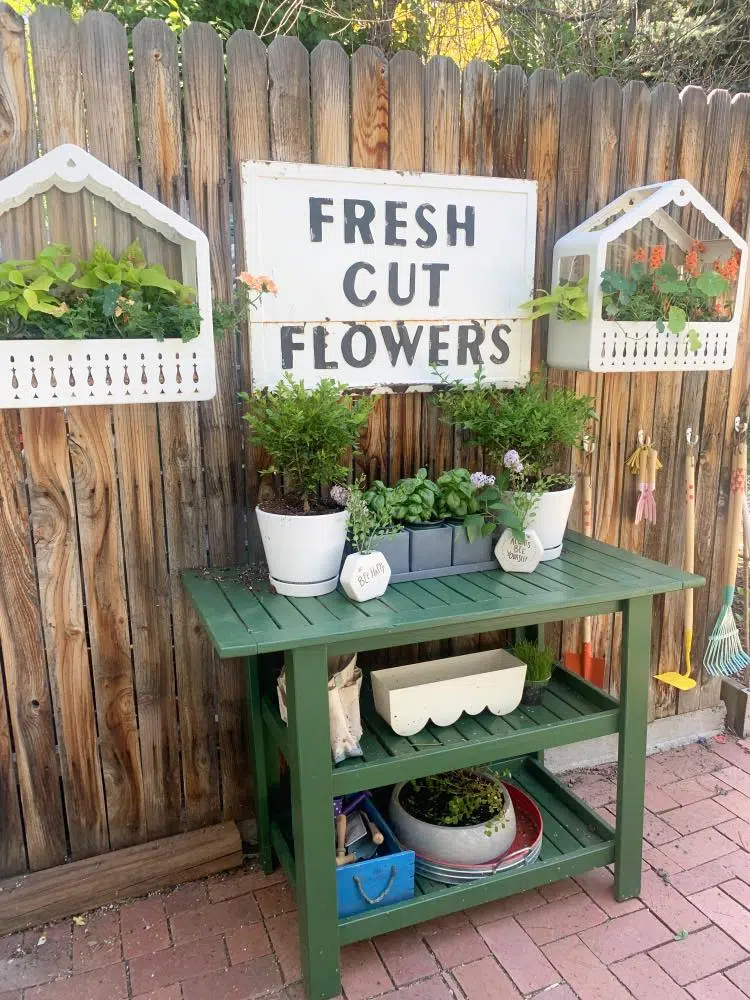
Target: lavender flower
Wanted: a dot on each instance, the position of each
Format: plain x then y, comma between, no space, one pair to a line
340,495
479,479
512,460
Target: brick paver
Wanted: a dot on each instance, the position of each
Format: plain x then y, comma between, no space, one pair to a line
235,937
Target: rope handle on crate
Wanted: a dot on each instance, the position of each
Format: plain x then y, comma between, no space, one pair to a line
383,894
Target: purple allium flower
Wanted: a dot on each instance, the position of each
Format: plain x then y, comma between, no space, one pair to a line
340,495
512,460
479,479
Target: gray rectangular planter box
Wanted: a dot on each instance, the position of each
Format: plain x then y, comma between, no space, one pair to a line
430,547
396,551
466,553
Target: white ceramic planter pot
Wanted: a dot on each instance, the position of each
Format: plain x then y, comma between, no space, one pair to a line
467,845
365,575
303,552
408,697
549,519
519,557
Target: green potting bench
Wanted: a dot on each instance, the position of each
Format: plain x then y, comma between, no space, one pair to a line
588,579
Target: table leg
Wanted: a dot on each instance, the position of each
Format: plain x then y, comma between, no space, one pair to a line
260,763
631,766
312,814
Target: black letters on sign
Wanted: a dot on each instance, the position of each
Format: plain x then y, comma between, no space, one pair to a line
404,343
393,223
430,233
317,218
349,279
437,345
503,349
467,346
319,349
358,216
347,344
288,346
393,292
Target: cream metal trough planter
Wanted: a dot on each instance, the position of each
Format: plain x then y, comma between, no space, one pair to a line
37,373
409,697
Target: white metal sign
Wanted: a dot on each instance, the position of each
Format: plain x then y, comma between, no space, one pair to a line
387,278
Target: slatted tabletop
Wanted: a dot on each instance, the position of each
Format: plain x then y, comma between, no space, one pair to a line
588,574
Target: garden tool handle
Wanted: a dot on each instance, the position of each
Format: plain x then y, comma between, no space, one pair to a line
736,494
689,561
341,836
587,630
588,510
377,836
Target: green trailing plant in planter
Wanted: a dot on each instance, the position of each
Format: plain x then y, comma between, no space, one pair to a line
568,301
306,433
540,662
54,297
463,816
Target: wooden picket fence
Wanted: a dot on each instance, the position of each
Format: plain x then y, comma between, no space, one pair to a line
117,725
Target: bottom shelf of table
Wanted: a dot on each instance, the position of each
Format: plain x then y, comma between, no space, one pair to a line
575,840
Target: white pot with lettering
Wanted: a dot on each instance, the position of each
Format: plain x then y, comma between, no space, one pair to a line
549,519
517,556
365,576
303,551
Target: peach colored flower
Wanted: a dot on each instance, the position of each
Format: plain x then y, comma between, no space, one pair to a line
698,246
640,255
658,256
261,283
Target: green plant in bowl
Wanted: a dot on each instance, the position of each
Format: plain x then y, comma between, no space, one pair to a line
416,500
457,494
540,662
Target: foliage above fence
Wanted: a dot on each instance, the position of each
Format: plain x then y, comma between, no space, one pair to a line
116,725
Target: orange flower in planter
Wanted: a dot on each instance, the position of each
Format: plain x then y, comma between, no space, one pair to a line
728,269
640,255
658,256
692,262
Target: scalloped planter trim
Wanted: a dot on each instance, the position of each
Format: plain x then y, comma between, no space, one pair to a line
441,691
117,370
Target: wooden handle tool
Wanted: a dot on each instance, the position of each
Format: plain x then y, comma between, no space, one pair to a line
736,499
377,836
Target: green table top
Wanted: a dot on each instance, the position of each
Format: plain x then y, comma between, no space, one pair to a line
588,575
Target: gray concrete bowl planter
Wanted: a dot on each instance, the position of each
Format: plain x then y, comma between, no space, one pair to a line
466,553
467,845
430,546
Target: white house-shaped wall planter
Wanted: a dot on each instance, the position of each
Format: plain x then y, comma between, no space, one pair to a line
115,370
672,214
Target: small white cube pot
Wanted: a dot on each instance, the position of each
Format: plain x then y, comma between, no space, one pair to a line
549,519
408,697
303,552
365,576
466,845
519,557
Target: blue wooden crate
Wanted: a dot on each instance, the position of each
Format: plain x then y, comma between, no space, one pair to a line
381,881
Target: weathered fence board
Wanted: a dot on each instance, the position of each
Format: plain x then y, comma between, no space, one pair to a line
116,723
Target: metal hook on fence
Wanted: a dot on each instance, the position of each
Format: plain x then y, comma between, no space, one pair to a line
692,440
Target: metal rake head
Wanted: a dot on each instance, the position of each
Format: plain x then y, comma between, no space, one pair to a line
724,652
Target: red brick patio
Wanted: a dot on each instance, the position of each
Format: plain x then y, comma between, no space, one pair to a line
234,937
